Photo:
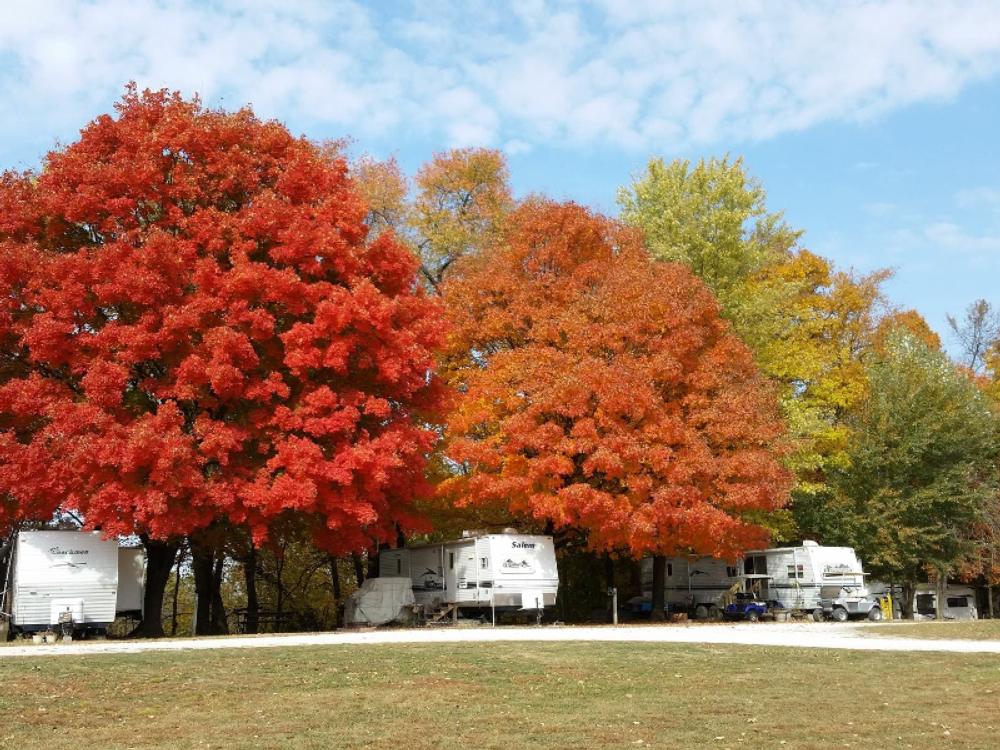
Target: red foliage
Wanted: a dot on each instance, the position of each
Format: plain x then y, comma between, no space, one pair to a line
602,391
194,326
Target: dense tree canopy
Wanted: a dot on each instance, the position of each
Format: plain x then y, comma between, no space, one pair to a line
922,467
195,326
602,391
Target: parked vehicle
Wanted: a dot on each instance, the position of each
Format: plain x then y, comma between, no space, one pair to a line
960,601
73,580
841,604
793,575
748,607
479,572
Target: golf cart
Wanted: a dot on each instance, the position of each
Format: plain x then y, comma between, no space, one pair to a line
843,603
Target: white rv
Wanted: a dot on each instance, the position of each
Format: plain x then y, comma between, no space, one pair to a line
53,573
960,601
793,576
502,571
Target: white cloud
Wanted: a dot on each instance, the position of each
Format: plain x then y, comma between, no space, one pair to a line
953,238
643,76
979,197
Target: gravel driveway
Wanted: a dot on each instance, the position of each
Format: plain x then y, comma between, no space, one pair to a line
853,636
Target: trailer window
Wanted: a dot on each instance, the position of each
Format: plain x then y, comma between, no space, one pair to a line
958,601
796,571
484,563
451,561
732,571
925,604
670,570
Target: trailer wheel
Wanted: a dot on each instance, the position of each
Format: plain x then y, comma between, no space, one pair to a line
753,615
714,613
839,614
701,612
875,614
818,614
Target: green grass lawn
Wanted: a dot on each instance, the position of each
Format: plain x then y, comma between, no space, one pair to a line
504,696
973,630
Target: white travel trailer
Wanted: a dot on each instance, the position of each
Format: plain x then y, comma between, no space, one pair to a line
960,601
502,571
53,573
793,576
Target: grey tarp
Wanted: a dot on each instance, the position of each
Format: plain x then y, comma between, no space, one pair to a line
379,600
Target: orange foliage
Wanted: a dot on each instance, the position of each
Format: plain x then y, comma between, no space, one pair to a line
602,391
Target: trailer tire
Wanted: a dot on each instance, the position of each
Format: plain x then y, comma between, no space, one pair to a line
875,614
818,614
753,615
840,614
714,613
701,612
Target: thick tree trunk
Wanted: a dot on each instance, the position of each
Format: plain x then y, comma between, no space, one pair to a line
659,581
989,601
220,625
359,568
373,562
906,606
203,566
253,603
160,557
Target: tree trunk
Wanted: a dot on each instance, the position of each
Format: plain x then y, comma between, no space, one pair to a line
359,568
989,601
177,589
203,566
160,556
940,599
335,577
220,625
906,606
373,562
253,603
659,582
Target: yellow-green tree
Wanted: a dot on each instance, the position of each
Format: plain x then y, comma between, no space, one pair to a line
454,205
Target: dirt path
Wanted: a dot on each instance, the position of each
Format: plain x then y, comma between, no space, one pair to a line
799,634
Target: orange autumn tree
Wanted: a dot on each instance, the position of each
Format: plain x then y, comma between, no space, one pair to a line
602,391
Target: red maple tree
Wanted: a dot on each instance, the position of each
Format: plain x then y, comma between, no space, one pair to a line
194,326
602,391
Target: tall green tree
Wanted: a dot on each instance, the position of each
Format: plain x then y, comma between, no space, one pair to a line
922,468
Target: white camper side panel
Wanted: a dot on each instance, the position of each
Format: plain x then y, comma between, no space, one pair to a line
688,584
394,563
61,565
798,574
130,570
460,572
524,570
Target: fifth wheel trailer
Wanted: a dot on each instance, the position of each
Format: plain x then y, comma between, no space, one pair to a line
794,576
53,573
501,571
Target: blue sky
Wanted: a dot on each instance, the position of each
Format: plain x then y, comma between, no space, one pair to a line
872,124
